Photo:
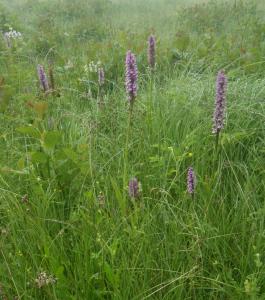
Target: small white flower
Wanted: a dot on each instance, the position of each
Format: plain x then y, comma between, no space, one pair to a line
93,67
43,279
13,34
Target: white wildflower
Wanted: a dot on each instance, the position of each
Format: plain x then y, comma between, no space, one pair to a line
11,35
43,279
94,66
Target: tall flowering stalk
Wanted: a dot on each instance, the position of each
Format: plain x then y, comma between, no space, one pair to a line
43,78
133,188
151,51
191,181
131,76
101,77
52,86
220,103
51,77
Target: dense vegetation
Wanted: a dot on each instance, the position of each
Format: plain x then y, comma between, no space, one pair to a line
68,227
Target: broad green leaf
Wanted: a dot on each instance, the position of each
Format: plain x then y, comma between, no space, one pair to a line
71,154
51,139
21,163
30,131
39,157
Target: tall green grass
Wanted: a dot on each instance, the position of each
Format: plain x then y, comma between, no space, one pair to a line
64,208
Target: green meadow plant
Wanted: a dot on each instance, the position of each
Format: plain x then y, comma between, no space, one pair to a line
128,200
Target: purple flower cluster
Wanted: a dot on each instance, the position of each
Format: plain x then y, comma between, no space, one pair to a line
131,76
101,76
191,181
133,188
151,51
219,113
43,78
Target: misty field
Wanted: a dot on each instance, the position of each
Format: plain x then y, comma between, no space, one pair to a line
132,149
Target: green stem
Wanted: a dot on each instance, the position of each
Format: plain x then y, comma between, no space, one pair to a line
126,150
151,103
217,140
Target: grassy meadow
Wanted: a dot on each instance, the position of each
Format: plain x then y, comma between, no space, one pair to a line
69,229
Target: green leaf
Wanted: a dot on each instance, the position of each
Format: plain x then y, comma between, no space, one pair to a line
6,169
30,130
21,163
52,138
231,138
39,157
71,154
111,276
